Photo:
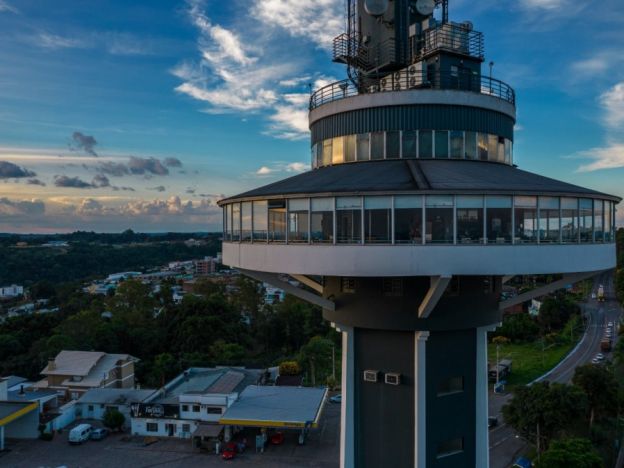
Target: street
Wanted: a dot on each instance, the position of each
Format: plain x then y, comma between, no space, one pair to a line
504,445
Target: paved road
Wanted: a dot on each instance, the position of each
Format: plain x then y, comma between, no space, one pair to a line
504,445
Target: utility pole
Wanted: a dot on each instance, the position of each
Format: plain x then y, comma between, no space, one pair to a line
334,362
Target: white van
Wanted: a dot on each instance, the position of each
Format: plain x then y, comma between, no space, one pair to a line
80,434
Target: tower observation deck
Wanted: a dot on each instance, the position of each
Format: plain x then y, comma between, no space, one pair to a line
406,226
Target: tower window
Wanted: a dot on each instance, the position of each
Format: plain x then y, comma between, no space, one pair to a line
392,287
450,447
450,386
347,285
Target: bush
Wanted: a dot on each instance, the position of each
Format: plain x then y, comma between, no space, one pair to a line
518,327
47,436
289,368
113,419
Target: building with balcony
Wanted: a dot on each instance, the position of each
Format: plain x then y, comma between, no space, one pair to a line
73,373
403,231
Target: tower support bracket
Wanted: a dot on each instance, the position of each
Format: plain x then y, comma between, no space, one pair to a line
437,288
274,280
547,289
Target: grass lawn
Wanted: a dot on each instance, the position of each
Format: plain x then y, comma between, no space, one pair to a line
530,361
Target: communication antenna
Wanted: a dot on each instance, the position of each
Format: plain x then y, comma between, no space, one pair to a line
376,7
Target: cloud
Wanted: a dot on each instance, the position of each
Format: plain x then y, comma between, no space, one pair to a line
7,7
8,170
612,102
83,142
100,180
608,157
317,20
544,4
172,162
242,69
159,188
71,182
21,207
113,168
264,171
54,41
282,167
172,206
147,166
36,182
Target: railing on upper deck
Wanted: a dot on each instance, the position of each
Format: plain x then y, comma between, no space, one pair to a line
412,79
449,37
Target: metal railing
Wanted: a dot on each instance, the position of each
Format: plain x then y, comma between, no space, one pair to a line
411,79
450,37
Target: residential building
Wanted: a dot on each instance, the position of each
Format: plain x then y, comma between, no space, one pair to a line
8,292
206,266
195,400
95,402
73,373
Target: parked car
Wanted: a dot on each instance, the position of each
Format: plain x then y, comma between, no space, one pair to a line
336,398
277,438
79,434
492,422
99,433
229,451
522,463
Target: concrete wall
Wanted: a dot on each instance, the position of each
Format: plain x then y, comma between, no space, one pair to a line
139,427
25,427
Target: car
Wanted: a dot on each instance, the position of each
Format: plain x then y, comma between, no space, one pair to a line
492,422
277,438
610,324
593,296
599,357
522,463
229,451
336,398
595,361
99,433
79,434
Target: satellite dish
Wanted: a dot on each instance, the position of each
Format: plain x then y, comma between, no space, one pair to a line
425,7
376,7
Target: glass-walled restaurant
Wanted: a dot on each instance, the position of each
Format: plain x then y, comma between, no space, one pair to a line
421,219
436,144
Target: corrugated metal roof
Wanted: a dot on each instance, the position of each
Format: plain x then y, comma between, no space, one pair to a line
269,404
441,175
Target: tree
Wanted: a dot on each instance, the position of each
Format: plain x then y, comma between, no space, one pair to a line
542,410
566,453
555,312
317,353
289,368
518,327
600,386
113,419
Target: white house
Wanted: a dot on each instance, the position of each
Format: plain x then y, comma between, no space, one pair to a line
11,291
195,400
94,403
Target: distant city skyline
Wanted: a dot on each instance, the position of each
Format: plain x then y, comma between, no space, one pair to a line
143,115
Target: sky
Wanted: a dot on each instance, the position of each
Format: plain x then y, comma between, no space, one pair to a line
142,114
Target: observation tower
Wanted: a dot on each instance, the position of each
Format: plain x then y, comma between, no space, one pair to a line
406,227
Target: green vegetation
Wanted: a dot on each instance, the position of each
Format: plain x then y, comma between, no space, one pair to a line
619,275
213,328
113,419
566,453
536,345
563,420
88,259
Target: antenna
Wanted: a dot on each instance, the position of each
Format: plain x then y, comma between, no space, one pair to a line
376,7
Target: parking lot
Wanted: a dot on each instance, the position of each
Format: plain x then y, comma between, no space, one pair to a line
119,450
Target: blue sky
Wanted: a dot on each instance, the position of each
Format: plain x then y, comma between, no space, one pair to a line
117,114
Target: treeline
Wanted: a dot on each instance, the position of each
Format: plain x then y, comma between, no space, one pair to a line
570,424
126,237
207,329
83,260
619,276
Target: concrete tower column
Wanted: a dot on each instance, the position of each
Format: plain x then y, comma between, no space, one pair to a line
347,420
420,400
482,455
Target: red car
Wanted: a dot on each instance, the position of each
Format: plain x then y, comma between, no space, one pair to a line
277,438
229,451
